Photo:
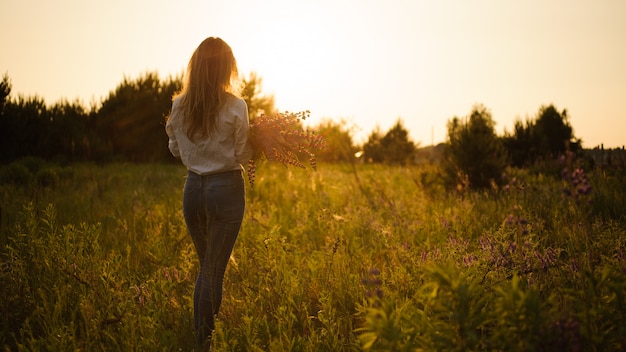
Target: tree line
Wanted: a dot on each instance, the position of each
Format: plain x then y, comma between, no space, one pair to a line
128,125
474,156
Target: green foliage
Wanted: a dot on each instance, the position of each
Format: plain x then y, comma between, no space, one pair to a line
24,170
131,119
5,92
394,148
553,131
338,136
521,146
545,137
72,285
474,157
30,128
340,259
71,136
22,125
15,173
127,125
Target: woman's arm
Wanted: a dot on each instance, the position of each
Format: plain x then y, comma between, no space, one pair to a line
243,150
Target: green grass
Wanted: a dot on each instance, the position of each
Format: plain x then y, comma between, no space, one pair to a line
342,259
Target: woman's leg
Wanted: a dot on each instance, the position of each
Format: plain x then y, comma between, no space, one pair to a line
213,211
222,237
196,220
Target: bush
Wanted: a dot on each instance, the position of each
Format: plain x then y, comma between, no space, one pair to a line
33,164
474,157
47,177
395,147
15,174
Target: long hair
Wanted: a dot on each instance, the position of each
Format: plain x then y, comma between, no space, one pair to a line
207,86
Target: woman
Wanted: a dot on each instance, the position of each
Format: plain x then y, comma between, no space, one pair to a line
208,130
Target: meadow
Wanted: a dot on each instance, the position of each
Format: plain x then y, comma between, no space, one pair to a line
345,258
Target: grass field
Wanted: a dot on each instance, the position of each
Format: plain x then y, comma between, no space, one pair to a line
347,258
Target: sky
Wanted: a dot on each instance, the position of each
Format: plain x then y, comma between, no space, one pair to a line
366,62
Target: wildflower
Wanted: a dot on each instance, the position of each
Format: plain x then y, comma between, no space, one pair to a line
373,285
509,220
574,265
436,253
281,138
578,184
374,271
512,247
166,274
469,259
542,260
445,223
486,244
550,255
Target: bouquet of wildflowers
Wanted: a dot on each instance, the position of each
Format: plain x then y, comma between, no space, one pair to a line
282,138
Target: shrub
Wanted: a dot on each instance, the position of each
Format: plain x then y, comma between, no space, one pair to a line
474,157
15,174
47,177
395,147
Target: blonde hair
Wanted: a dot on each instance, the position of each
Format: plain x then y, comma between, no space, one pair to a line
207,85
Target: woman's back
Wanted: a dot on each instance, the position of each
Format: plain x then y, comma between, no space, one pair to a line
224,149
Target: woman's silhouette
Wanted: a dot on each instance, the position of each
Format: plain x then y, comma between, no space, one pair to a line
208,130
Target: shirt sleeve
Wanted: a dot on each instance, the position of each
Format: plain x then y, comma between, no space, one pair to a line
172,144
243,150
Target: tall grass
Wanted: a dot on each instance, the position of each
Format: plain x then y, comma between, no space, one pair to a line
346,258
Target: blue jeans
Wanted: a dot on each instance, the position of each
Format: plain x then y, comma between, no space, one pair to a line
213,207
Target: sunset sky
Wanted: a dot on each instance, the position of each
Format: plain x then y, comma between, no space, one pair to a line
369,62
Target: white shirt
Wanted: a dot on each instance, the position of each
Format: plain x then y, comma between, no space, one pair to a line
225,149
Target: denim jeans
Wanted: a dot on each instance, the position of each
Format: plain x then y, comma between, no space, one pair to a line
213,207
